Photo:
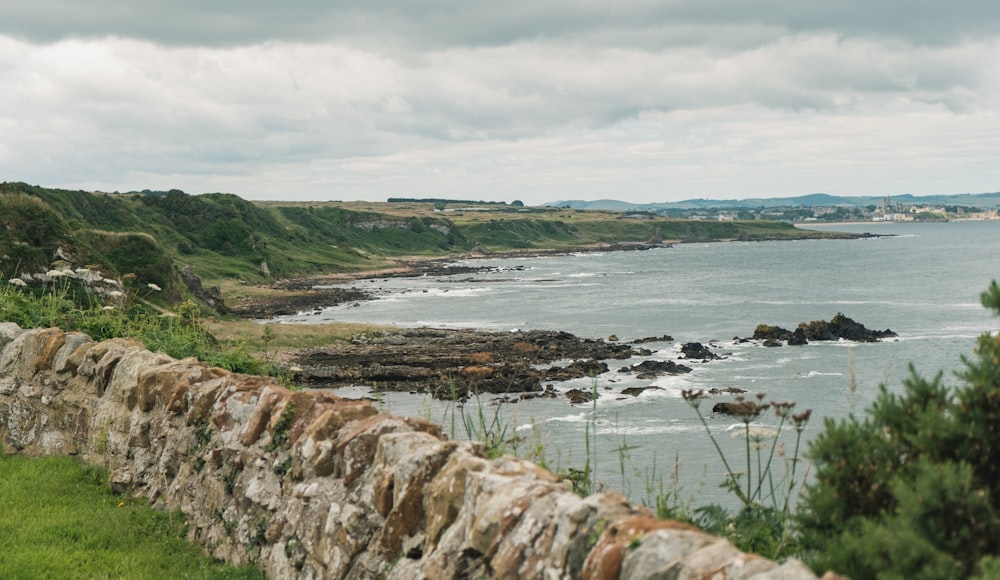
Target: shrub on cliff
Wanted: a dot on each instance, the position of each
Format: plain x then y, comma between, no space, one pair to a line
912,490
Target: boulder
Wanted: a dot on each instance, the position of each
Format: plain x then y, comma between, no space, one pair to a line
636,391
578,396
797,338
739,408
211,296
664,338
696,350
650,369
842,327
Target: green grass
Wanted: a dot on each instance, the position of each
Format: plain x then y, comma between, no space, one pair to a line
60,519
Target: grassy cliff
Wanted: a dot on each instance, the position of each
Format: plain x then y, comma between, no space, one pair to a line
224,237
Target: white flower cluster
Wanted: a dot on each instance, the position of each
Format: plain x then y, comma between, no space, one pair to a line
92,279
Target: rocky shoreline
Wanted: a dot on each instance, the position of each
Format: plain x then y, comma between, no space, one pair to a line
456,363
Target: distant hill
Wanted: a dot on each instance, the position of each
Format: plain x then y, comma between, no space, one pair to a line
980,200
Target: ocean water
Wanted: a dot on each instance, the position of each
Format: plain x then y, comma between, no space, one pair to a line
921,280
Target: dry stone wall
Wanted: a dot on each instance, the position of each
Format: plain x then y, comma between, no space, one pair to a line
308,485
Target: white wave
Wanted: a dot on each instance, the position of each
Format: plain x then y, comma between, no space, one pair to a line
646,429
822,374
460,292
580,418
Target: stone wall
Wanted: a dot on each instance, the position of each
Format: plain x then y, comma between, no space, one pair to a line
308,485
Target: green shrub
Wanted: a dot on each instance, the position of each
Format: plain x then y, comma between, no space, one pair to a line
912,490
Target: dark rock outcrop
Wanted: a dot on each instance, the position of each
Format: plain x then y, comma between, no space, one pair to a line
842,327
697,351
453,363
579,396
663,338
839,327
739,408
575,370
636,391
650,369
211,296
294,301
798,338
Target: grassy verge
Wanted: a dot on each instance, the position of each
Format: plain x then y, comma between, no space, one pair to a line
59,519
268,339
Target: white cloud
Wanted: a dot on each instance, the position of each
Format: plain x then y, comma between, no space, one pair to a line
541,101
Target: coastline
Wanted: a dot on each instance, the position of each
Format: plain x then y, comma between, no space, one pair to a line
445,362
291,295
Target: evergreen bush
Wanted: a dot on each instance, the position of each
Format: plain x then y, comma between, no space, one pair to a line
912,490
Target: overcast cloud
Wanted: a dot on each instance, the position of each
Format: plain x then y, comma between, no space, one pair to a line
541,100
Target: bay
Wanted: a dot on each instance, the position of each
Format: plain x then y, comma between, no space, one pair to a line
923,281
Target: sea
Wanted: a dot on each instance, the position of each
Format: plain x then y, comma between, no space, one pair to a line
921,280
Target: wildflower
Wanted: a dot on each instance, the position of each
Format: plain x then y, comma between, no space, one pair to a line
154,287
55,273
116,294
18,282
108,308
801,419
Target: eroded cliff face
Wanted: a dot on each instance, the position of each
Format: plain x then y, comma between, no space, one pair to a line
308,485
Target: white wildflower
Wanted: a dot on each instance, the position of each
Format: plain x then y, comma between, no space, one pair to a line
154,287
108,308
116,294
18,282
111,282
55,273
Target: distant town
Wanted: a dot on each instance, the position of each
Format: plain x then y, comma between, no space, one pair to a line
886,211
818,207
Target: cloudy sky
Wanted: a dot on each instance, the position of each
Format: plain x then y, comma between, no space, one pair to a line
537,100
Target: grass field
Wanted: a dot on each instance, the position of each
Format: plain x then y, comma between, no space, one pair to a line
60,519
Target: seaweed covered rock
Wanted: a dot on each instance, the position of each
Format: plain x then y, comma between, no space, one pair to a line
840,327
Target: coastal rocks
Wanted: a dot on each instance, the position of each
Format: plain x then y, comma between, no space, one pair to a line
840,327
663,338
211,296
575,370
738,408
636,391
451,363
698,351
773,335
578,396
650,369
294,301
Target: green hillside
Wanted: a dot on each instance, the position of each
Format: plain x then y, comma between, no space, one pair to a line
224,237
